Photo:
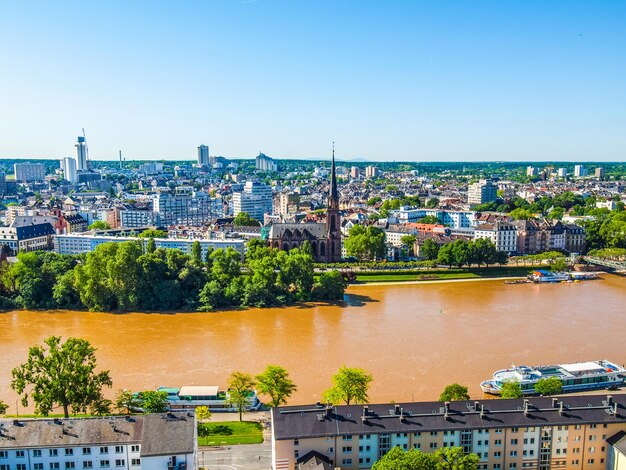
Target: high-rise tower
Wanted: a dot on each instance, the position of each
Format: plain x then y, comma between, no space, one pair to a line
81,154
333,218
203,155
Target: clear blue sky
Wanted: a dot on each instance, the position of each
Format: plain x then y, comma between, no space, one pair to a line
423,81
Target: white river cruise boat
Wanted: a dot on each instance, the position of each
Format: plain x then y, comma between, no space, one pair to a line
575,377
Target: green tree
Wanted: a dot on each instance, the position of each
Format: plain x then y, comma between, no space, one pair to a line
445,255
350,386
154,401
63,374
511,389
521,214
99,225
151,245
101,407
240,386
460,252
153,233
330,285
243,219
366,243
453,458
203,413
408,241
454,392
126,401
196,252
549,386
429,249
429,219
432,203
275,383
3,407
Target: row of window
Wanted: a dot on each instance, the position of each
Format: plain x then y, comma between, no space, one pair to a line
67,452
87,464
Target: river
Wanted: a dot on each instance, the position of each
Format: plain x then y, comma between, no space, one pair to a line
414,339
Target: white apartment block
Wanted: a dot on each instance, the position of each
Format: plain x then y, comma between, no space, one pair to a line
255,199
502,234
76,243
481,192
165,441
28,172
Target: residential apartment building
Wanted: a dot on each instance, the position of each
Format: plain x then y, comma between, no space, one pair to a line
27,172
165,441
577,432
135,217
481,192
265,163
502,234
575,238
203,155
28,233
537,236
255,199
84,243
194,209
580,171
453,219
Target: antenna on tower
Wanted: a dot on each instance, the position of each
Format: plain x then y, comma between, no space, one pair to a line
86,150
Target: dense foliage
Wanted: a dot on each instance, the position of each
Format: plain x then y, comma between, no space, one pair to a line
447,458
61,374
132,276
479,251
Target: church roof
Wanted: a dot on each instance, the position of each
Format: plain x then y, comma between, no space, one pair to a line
314,229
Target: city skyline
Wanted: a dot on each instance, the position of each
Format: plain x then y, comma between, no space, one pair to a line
390,82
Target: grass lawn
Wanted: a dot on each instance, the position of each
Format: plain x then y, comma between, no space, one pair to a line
230,433
439,274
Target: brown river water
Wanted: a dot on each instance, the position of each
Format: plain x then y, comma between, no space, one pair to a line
414,339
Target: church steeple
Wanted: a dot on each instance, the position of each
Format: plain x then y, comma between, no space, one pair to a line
334,195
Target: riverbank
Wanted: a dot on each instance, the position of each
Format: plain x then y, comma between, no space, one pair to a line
432,281
441,275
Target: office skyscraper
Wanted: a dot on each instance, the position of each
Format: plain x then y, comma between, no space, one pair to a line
203,155
81,154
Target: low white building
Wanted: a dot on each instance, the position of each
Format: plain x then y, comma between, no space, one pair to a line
77,243
166,441
502,234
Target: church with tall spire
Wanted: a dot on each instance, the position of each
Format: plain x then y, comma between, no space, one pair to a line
324,238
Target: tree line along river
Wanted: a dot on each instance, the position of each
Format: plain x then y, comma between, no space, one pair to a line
414,339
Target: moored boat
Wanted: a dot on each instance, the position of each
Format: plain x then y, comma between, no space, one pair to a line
574,377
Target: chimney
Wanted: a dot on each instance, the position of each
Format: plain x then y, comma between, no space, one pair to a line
560,407
401,414
555,402
365,410
526,407
476,405
609,400
482,411
397,409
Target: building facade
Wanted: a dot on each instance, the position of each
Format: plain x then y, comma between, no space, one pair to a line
502,234
265,163
165,441
255,199
73,244
203,155
481,192
68,165
81,154
194,210
538,433
27,172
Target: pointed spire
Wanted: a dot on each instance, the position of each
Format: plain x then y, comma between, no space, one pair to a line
334,195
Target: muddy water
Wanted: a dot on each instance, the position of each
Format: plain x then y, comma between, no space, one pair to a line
415,339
